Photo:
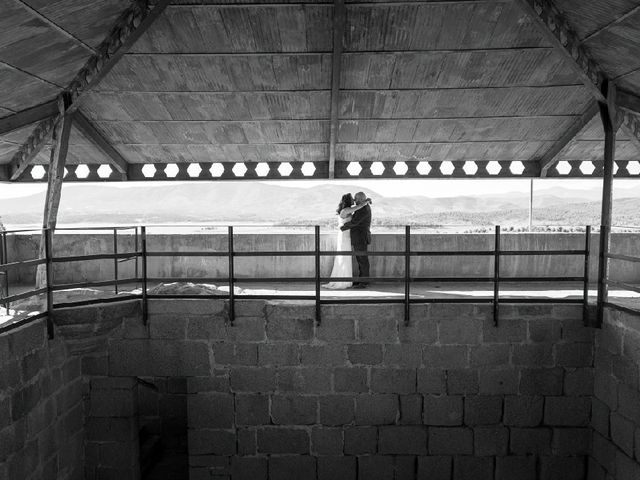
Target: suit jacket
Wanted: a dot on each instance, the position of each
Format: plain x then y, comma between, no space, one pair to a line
360,226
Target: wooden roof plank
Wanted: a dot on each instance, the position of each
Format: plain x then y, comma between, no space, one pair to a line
339,21
28,116
90,132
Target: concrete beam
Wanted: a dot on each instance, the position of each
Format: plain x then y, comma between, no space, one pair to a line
339,20
87,128
28,116
31,148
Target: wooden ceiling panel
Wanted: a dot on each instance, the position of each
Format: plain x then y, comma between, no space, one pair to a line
630,82
211,73
585,20
229,29
19,90
7,151
594,150
435,26
463,102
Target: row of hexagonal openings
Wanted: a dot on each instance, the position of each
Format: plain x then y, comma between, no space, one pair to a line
216,170
424,168
587,167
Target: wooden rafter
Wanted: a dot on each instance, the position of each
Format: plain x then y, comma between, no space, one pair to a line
31,148
628,101
87,128
339,20
28,116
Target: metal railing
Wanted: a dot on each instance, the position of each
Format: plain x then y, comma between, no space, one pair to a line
616,283
141,256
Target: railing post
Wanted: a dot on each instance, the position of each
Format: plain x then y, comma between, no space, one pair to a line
496,277
143,242
5,259
587,253
232,311
48,253
317,276
407,274
115,258
135,240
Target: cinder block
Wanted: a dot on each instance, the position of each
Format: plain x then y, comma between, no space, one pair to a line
489,355
491,441
528,441
622,433
626,468
604,451
214,410
289,329
435,468
158,358
168,326
336,330
446,356
31,336
562,468
304,380
113,403
482,409
252,409
410,410
350,379
95,365
461,330
376,467
218,381
443,410
249,468
25,399
541,381
376,409
462,382
250,308
365,353
278,354
333,468
600,417
571,441
544,331
574,354
283,440
472,468
567,411
326,441
431,380
403,440
377,330
235,354
32,363
292,468
323,355
336,410
609,338
422,329
605,388
625,369
211,442
629,403
523,411
206,328
403,355
247,441
578,382
294,410
111,429
512,467
360,440
534,355
254,380
393,380
509,330
247,329
595,470
495,381
450,441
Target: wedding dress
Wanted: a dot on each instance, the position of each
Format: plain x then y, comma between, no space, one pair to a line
342,263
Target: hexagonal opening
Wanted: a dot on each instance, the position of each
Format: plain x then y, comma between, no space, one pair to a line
149,170
38,172
216,169
171,170
563,167
65,173
447,168
104,171
194,170
615,168
82,171
423,168
516,167
377,168
239,169
285,169
493,167
354,168
400,168
470,168
633,167
587,168
262,169
308,169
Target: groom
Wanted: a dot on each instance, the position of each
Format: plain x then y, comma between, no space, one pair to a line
360,237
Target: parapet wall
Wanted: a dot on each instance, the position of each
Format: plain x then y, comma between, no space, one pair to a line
26,247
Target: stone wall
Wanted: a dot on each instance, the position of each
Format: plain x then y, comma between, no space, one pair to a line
616,403
41,409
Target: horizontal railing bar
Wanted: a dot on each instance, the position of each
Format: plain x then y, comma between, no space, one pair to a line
540,279
93,301
577,301
24,263
95,256
452,279
618,256
624,286
188,254
223,280
622,308
103,283
23,321
20,296
525,253
132,227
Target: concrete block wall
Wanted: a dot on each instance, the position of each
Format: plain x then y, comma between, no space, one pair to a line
41,408
362,396
616,403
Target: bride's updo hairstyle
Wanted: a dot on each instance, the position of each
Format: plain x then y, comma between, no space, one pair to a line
345,202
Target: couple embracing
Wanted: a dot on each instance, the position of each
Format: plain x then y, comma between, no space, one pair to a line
354,220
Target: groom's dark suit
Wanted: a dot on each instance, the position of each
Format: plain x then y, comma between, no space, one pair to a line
360,225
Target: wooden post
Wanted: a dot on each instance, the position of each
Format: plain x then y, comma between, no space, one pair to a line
339,19
59,148
607,114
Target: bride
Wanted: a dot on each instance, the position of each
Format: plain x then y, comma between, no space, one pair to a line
342,264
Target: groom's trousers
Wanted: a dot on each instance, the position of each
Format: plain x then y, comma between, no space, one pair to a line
363,260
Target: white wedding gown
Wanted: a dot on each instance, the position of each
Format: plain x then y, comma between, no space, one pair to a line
342,263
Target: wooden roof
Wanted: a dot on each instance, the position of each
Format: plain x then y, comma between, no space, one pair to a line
251,81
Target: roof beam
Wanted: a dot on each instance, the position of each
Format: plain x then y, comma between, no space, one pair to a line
85,126
31,148
617,21
339,20
628,101
28,116
549,158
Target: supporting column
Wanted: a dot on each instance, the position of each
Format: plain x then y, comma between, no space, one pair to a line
339,19
608,116
59,148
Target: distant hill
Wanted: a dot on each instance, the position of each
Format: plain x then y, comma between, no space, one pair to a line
234,203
